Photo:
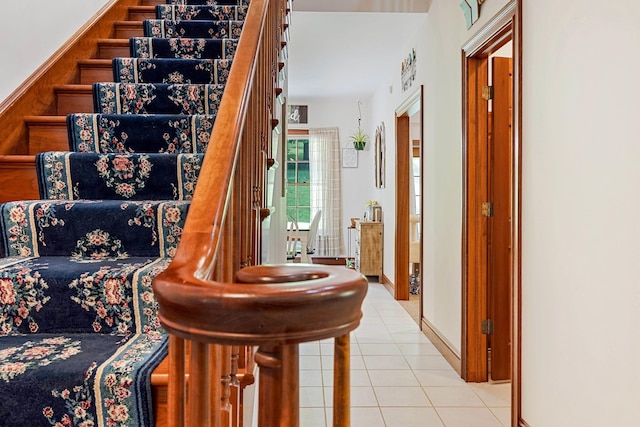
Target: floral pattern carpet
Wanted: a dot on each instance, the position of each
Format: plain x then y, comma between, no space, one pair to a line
79,332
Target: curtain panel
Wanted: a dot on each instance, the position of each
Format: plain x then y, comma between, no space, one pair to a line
326,193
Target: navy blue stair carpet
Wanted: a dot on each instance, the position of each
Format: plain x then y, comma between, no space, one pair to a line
132,133
210,2
80,341
71,176
187,48
91,229
196,29
79,333
168,70
156,98
175,12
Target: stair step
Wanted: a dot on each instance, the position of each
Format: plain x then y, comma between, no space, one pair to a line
18,178
74,99
157,98
158,133
46,133
65,175
140,13
64,228
151,2
126,29
95,70
112,48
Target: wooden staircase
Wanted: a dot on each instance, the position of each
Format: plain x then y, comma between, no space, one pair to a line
33,120
221,309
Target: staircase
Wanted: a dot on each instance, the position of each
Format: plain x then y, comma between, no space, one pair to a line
108,261
137,117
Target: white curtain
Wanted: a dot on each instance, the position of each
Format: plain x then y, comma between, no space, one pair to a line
326,194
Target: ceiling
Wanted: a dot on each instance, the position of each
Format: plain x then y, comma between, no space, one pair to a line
338,48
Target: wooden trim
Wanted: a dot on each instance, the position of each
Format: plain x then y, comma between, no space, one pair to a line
443,345
523,423
516,341
401,259
474,58
474,250
506,24
36,96
388,284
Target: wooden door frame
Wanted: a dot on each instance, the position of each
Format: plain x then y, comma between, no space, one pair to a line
505,26
403,170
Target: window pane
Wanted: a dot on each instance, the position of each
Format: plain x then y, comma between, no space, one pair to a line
291,195
416,186
292,212
291,149
303,149
291,172
304,195
303,172
304,215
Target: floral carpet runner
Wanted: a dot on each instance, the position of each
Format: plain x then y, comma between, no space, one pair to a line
79,333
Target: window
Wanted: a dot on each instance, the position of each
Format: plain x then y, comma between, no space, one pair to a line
298,179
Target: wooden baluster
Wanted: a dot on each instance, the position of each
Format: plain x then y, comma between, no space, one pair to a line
177,384
278,390
215,360
225,386
200,406
341,382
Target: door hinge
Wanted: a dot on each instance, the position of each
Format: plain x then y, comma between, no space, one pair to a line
487,92
487,327
487,209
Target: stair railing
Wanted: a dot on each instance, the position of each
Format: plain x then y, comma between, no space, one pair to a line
214,301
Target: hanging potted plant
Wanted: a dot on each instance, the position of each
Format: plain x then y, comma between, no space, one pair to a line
359,139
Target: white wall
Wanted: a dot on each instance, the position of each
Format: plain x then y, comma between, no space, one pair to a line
438,45
580,243
36,29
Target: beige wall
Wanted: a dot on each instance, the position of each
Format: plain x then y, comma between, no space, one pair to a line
581,250
36,29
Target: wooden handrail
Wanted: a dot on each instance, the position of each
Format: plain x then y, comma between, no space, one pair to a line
208,301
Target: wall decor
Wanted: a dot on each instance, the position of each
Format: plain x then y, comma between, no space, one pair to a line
379,149
408,71
297,114
471,10
349,158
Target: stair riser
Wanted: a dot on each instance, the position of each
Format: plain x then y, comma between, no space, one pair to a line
124,31
90,74
74,101
47,137
18,180
108,51
140,14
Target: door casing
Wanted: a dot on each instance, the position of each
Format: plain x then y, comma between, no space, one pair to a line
505,26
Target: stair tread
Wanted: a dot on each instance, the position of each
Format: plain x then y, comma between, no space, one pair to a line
46,119
95,62
117,42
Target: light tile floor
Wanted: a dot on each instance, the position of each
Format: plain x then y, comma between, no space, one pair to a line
398,378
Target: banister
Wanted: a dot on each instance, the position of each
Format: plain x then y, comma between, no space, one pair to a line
215,308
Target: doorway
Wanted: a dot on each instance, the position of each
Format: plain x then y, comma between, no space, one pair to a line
409,190
491,204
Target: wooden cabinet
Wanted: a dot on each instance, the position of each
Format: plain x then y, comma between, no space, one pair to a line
369,248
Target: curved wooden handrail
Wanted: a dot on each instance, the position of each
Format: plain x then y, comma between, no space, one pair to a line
268,304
